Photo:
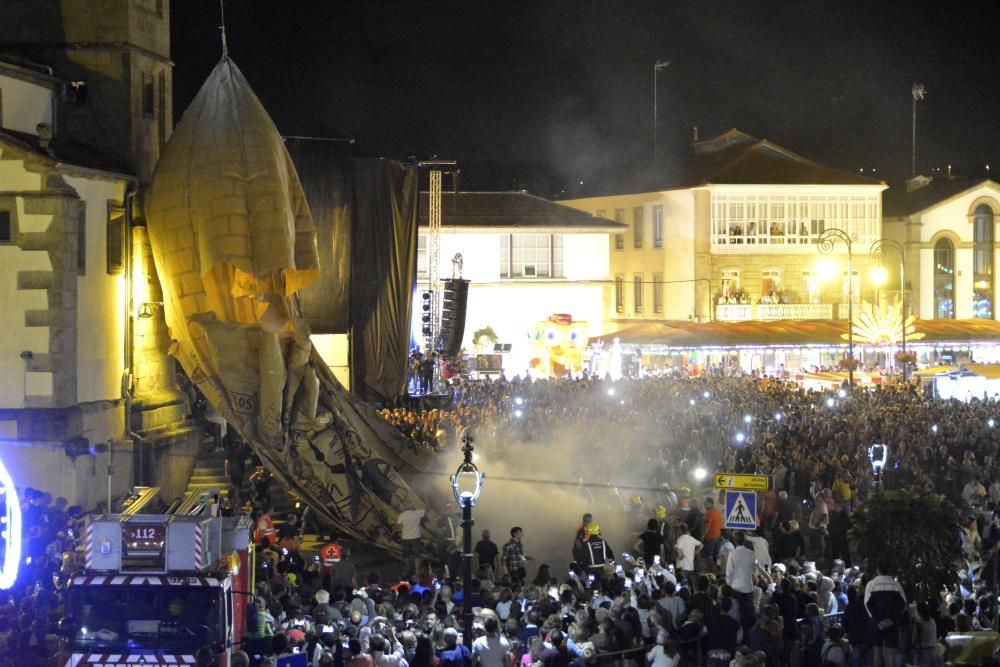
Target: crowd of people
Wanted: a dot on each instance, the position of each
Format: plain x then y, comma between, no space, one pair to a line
687,592
664,583
670,427
51,531
816,447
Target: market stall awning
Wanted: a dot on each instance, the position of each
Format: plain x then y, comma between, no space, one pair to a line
935,370
785,333
988,371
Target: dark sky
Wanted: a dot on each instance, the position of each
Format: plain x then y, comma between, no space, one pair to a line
544,94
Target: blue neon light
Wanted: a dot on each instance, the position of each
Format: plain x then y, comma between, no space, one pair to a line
11,531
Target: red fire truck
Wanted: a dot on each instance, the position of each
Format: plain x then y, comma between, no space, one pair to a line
157,588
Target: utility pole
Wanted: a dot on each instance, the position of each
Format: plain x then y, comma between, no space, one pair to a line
657,66
918,95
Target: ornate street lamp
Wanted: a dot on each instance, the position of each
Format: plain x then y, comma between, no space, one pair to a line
878,252
826,243
467,484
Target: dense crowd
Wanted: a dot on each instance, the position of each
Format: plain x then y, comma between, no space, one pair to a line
29,612
680,589
670,427
723,597
817,449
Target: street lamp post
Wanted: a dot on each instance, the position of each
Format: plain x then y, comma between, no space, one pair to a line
878,252
467,484
826,243
657,66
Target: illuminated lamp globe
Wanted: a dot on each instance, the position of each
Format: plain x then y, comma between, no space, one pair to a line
879,276
467,482
700,473
826,269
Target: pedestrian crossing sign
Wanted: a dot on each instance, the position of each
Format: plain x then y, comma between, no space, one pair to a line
741,510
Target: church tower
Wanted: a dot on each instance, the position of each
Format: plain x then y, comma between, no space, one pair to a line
111,62
115,57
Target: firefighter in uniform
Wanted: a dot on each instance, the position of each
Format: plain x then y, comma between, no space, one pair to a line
598,551
265,529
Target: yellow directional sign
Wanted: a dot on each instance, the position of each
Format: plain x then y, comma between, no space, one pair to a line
742,482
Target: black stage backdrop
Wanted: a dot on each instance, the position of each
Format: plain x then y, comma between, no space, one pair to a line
365,210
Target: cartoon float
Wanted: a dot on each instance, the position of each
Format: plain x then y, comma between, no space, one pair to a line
559,343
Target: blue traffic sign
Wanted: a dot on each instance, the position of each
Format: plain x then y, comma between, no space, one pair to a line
741,510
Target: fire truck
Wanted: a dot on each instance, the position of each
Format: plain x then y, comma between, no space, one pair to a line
157,588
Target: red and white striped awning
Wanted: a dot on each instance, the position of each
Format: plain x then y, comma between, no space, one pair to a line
143,580
113,660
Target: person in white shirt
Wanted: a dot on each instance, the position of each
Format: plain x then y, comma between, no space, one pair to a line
492,649
760,547
410,522
740,568
687,549
661,656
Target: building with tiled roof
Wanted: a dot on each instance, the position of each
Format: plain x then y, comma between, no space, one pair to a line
732,235
484,210
736,158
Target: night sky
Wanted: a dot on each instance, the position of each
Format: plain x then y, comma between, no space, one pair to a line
542,95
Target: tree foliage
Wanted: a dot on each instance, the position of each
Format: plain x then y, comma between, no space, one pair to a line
486,332
489,335
915,535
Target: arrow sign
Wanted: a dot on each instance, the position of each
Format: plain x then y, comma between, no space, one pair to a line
741,482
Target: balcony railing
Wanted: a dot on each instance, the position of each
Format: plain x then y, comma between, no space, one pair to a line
775,311
766,243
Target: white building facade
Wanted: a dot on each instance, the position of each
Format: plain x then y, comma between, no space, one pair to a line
62,284
736,239
949,228
526,259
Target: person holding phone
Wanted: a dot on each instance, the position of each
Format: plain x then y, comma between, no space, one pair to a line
650,542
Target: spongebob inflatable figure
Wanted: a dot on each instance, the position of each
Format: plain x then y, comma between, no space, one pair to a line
559,344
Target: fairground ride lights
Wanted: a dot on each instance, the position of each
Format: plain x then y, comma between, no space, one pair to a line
10,531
